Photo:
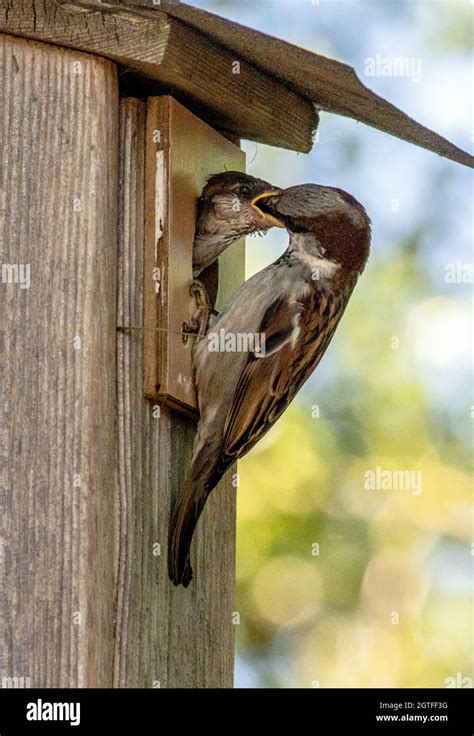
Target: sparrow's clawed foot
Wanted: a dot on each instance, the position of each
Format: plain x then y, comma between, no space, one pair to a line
200,320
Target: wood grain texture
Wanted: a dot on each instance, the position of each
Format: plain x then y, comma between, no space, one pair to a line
329,84
165,636
181,153
198,72
58,125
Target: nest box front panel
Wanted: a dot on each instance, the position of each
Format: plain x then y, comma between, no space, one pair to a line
181,152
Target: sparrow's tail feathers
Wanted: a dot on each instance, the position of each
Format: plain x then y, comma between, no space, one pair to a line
185,517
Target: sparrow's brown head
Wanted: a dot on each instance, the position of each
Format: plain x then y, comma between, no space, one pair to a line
227,212
326,222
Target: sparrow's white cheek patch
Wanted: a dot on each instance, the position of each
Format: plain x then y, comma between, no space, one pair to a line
319,267
322,267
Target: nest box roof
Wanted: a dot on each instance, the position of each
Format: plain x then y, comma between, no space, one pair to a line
192,54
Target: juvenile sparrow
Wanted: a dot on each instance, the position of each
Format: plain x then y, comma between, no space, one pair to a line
296,304
226,213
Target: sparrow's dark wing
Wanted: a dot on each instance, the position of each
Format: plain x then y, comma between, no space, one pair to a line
280,324
298,334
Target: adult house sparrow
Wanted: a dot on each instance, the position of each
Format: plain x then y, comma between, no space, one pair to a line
296,303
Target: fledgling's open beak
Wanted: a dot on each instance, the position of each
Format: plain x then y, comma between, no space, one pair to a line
266,214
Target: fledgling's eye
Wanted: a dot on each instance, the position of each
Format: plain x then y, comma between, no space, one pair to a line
244,189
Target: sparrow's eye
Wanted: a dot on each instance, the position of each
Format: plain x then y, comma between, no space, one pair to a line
244,190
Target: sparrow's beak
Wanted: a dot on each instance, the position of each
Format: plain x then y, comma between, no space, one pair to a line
265,213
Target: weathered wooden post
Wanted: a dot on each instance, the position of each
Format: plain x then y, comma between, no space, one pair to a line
59,131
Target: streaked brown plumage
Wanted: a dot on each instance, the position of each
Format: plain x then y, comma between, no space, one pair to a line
226,213
297,303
